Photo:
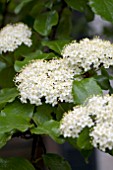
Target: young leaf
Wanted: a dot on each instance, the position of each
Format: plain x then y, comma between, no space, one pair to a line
84,89
15,164
55,162
104,8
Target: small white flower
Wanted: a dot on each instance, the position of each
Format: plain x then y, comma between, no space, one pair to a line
13,35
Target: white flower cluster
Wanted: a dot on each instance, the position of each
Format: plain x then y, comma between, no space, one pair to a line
89,54
52,80
13,35
49,79
74,122
97,113
102,132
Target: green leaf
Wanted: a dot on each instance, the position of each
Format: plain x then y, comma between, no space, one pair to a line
12,122
24,50
4,137
43,113
104,8
7,59
49,4
84,144
84,147
110,72
55,162
65,25
82,6
6,77
2,106
62,108
27,57
56,45
86,154
46,56
8,95
104,72
15,164
21,5
84,89
2,65
50,128
15,116
45,21
18,108
73,142
103,82
19,64
89,14
37,8
83,141
77,5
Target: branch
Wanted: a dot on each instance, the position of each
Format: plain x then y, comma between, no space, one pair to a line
38,149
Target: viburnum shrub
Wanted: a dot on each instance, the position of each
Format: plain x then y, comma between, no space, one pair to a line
53,82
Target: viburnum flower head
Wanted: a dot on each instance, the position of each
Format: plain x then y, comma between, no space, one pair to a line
13,35
74,122
88,54
51,80
102,133
97,114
